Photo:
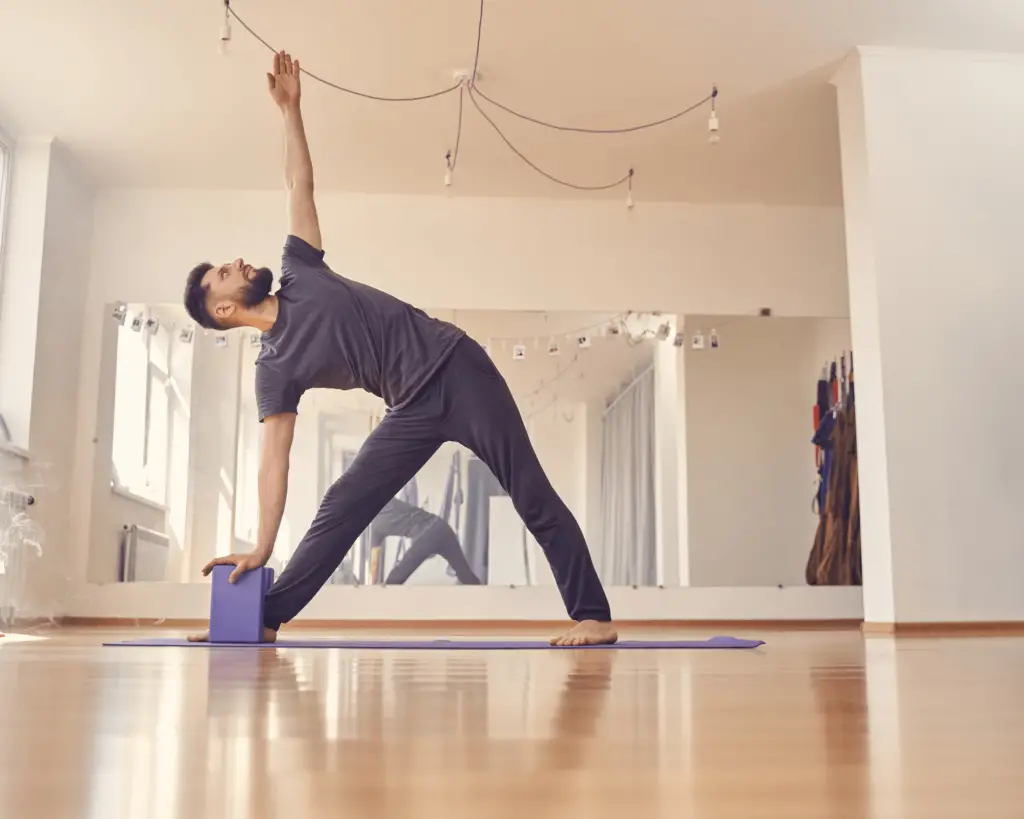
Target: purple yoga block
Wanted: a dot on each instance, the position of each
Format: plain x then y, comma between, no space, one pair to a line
236,610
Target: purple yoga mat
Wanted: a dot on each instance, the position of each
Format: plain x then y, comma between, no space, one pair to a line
451,645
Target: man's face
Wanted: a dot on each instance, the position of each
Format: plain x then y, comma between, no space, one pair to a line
236,284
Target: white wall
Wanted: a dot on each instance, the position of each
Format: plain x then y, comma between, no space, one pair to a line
55,386
41,322
492,253
932,163
750,462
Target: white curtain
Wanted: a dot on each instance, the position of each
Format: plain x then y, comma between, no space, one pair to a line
627,487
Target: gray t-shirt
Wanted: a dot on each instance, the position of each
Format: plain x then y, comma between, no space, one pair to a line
336,333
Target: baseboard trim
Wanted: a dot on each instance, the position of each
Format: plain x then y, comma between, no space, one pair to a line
999,628
36,622
478,625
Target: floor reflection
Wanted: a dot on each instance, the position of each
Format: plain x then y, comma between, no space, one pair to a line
385,731
814,725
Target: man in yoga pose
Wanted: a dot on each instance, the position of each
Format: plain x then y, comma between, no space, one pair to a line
324,330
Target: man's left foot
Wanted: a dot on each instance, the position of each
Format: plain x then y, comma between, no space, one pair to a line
588,633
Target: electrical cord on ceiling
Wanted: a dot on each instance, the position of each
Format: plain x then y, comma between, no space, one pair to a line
342,88
630,129
607,186
479,39
469,85
452,157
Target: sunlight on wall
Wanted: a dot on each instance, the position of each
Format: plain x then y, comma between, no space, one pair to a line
225,498
130,407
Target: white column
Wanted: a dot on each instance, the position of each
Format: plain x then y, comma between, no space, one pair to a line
22,282
876,544
179,453
666,457
933,176
593,525
682,456
102,542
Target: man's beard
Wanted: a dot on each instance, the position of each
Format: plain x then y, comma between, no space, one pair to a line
258,287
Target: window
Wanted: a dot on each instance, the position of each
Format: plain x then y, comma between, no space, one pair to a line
141,407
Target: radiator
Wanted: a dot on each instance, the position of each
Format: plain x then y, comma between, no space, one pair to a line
19,545
143,554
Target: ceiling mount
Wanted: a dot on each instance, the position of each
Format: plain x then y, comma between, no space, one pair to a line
465,76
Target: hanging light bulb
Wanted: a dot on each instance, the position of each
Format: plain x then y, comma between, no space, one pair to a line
713,136
225,31
448,169
629,190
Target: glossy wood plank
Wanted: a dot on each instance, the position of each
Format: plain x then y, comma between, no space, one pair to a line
815,724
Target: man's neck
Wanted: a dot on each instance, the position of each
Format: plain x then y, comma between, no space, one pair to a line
263,316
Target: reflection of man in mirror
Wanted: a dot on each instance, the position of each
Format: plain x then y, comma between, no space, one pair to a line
322,330
429,535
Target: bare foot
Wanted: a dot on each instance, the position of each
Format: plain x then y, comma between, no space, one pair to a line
269,636
587,633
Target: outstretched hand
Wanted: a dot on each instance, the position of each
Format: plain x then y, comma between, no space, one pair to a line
242,563
284,84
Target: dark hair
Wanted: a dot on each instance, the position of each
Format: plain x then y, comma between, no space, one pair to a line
195,297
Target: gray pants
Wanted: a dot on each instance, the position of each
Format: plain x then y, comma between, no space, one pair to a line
467,402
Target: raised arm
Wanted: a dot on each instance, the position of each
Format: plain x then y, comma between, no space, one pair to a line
286,90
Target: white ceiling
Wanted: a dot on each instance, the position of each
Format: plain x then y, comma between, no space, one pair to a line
137,90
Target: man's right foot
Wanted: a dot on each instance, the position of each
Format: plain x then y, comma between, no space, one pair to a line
588,633
269,636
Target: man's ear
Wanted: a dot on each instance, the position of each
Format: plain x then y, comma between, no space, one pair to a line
224,311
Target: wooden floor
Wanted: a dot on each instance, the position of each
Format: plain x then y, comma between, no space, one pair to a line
814,724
